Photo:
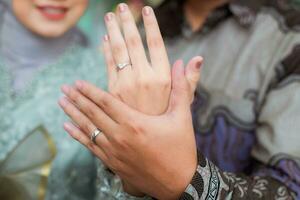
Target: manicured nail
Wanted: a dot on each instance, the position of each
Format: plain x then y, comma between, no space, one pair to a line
79,85
122,7
147,10
63,102
198,65
65,89
108,16
105,38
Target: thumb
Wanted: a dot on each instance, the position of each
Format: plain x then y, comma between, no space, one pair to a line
192,74
180,95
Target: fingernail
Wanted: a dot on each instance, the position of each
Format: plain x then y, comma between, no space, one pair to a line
122,7
68,126
62,102
105,38
147,10
198,65
65,89
108,17
79,85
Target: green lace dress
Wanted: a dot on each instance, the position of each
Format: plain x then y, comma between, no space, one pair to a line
31,133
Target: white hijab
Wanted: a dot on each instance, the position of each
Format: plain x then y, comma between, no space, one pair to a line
24,52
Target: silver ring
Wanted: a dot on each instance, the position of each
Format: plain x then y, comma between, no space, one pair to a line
95,134
121,66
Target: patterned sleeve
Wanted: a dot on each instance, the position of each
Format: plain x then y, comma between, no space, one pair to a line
209,182
276,173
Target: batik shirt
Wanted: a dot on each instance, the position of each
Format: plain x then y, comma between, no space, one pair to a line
246,112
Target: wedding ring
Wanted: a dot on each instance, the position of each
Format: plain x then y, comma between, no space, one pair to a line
95,134
121,66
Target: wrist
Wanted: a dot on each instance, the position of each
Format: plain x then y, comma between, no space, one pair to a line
129,189
177,187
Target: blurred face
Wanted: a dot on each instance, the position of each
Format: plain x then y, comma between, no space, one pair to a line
49,18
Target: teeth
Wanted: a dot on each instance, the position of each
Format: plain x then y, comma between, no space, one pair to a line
54,11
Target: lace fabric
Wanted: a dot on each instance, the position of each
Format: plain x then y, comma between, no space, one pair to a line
109,186
73,170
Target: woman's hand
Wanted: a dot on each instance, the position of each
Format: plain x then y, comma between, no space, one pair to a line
155,154
143,85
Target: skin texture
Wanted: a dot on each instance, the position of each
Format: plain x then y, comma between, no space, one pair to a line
146,87
134,84
156,155
129,83
30,16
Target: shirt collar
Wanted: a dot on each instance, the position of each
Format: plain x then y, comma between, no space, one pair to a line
245,11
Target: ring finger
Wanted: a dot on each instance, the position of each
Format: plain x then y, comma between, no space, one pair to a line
102,147
117,43
81,120
81,137
84,124
87,108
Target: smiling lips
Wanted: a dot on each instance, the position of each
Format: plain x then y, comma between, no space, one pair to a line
53,13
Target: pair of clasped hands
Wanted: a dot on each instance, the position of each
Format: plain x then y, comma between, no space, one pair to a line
148,138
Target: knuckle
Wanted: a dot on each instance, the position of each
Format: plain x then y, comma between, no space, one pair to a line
121,142
133,41
126,88
103,101
86,128
73,95
75,113
68,109
119,95
155,42
118,49
90,145
165,83
90,111
144,82
110,62
135,127
114,90
146,85
76,137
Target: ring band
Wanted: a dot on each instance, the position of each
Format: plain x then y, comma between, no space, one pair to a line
121,66
95,134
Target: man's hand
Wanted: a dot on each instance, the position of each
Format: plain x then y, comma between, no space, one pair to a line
155,154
